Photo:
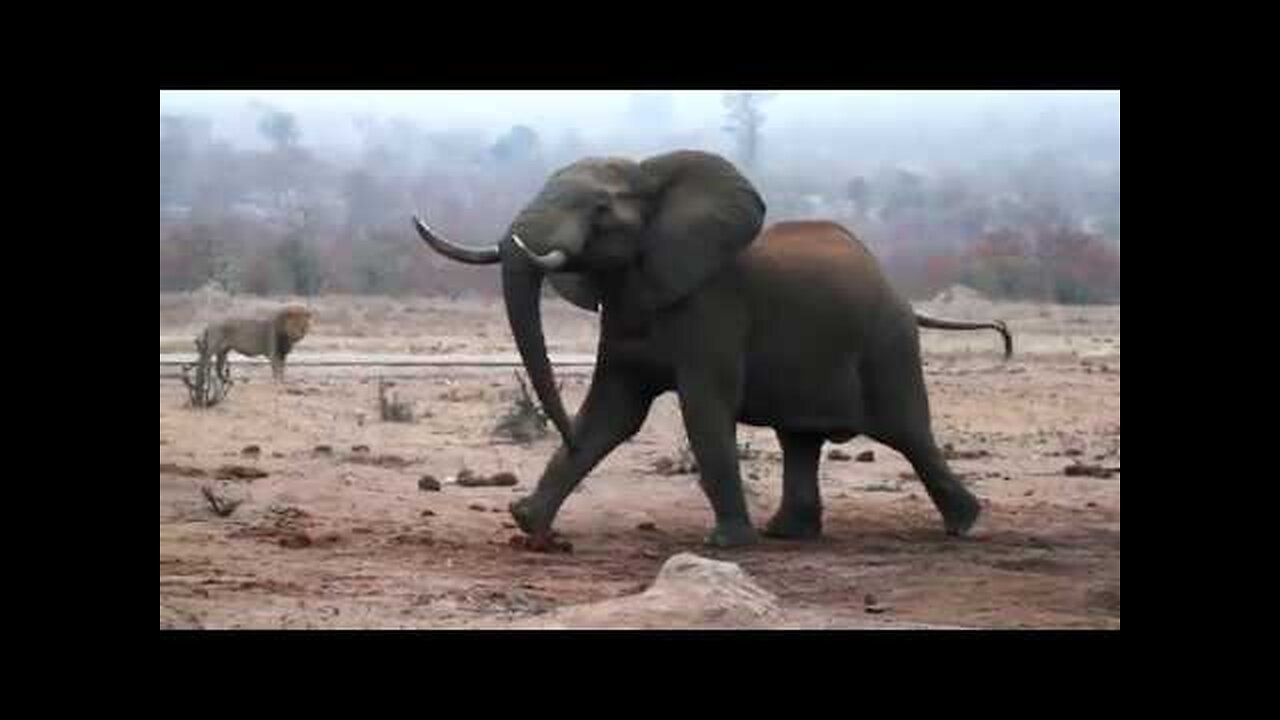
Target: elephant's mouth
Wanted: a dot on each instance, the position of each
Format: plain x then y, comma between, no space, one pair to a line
553,261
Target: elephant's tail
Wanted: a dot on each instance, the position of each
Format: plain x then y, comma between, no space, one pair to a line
933,323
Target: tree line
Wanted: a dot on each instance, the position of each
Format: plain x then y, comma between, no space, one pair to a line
286,218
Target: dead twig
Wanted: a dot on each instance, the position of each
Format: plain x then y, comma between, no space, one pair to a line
211,384
525,421
222,507
393,409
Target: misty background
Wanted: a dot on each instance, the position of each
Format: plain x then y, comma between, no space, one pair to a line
1016,194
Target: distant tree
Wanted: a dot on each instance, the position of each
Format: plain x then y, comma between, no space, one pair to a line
300,264
369,201
181,140
858,191
744,122
219,183
519,144
193,256
280,129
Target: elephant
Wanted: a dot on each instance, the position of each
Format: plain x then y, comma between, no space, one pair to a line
794,328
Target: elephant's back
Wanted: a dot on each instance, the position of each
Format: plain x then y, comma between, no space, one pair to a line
815,268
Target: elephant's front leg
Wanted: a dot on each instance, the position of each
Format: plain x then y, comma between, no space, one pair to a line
615,408
709,399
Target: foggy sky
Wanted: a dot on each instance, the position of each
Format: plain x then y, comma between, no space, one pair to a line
325,117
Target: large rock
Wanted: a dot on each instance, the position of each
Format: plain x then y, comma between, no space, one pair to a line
959,294
689,592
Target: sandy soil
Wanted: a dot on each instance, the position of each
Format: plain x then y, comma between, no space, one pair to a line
346,538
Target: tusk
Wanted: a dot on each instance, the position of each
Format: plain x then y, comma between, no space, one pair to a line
454,251
550,262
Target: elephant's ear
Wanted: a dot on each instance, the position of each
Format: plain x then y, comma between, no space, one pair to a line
704,213
577,288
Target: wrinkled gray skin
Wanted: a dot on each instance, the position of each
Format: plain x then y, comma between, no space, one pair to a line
794,329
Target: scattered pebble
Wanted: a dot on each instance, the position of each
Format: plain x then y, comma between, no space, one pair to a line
466,478
647,527
295,540
323,450
428,513
251,451
239,472
477,507
873,605
541,543
1083,469
429,484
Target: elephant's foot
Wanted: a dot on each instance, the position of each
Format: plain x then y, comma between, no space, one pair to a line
528,518
960,510
727,535
794,525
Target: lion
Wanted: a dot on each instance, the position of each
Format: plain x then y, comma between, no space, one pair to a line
273,337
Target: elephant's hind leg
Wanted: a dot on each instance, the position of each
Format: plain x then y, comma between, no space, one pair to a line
958,507
900,419
800,515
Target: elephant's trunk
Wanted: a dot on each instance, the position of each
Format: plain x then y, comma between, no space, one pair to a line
522,291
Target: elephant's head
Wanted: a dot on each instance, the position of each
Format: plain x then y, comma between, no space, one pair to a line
670,222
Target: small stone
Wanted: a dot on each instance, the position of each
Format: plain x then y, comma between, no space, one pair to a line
359,448
277,454
866,456
541,543
428,513
466,478
873,605
295,540
239,472
1029,493
647,527
429,484
477,507
251,451
323,450
1091,504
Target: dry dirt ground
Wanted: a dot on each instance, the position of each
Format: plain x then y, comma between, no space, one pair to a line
345,538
